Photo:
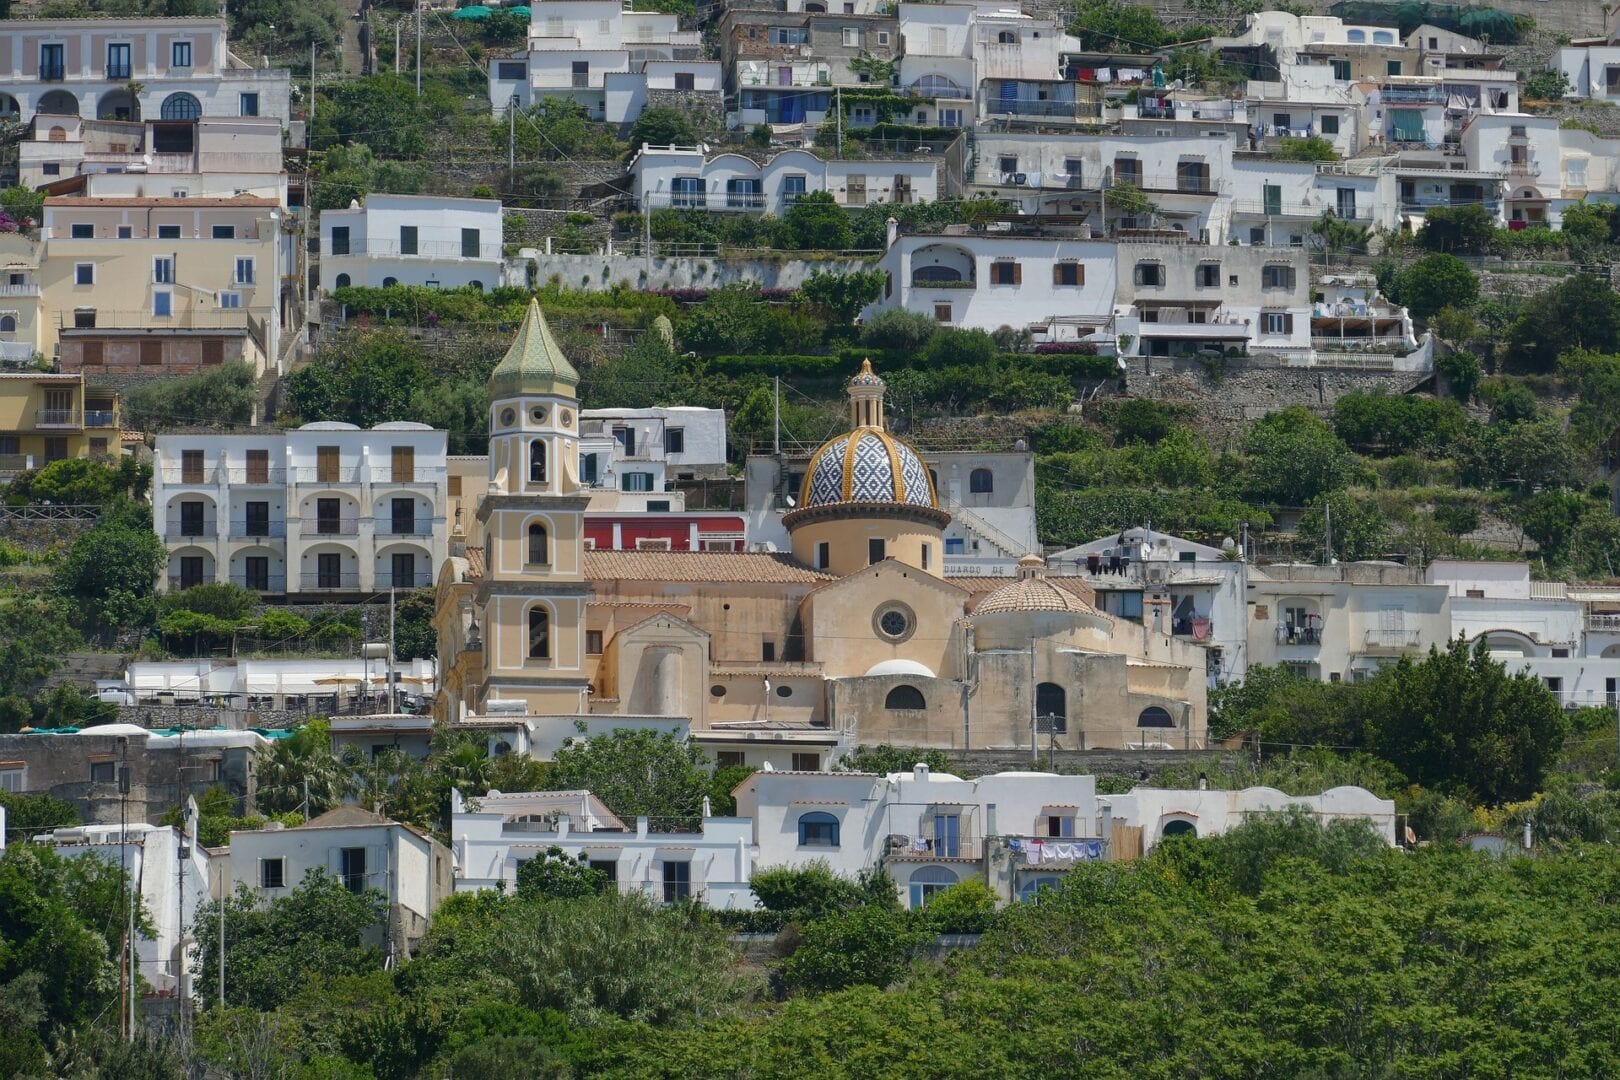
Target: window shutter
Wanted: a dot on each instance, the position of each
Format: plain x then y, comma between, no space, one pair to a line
1288,323
1136,274
1057,273
1017,274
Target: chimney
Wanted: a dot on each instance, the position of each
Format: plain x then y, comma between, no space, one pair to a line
919,773
893,231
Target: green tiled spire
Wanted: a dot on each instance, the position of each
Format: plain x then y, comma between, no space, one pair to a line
534,364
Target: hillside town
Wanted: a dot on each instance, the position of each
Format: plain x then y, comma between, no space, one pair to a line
757,538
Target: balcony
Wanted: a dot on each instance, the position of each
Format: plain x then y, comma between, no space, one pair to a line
183,317
58,418
258,530
117,71
100,418
26,289
1308,637
269,583
745,200
416,527
52,73
331,527
178,529
485,250
1523,169
324,475
1414,95
1604,624
319,582
934,849
1063,110
416,579
387,474
178,582
1393,641
268,475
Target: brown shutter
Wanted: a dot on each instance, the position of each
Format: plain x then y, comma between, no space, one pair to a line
258,466
92,355
1018,273
213,352
1057,273
191,466
151,353
1288,324
453,484
404,465
326,464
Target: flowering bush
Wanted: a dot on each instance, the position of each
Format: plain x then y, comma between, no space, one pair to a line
1070,348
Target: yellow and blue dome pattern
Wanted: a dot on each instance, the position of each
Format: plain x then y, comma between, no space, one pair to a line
867,466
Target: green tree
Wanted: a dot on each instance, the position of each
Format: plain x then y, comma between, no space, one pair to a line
271,950
1459,230
1589,225
553,874
1537,452
636,773
84,482
1580,312
1549,519
1461,370
731,319
1457,514
1111,26
1141,420
898,329
34,633
108,576
814,891
23,204
1458,722
222,397
29,814
1432,283
1360,530
302,763
662,126
1338,235
869,945
839,298
884,759
1545,85
414,636
1293,458
646,374
362,379
815,222
1314,148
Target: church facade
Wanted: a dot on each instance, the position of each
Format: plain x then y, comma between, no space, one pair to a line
856,637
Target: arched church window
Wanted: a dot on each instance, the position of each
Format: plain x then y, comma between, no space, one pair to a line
537,461
539,633
539,545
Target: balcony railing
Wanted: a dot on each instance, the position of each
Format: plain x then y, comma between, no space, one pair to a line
929,847
58,418
745,200
1295,636
425,249
100,418
183,317
318,581
269,583
1067,110
416,579
179,529
52,73
332,527
182,581
254,530
1607,624
341,474
418,527
118,71
1394,639
27,289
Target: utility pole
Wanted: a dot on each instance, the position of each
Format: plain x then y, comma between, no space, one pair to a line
310,118
224,893
126,970
1034,710
776,417
397,26
1327,529
392,702
838,113
418,48
511,136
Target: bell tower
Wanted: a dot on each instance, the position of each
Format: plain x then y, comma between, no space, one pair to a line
531,601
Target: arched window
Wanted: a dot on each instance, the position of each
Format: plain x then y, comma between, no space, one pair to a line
981,482
342,282
924,274
905,697
1356,37
479,285
1051,708
539,633
539,546
1153,716
390,282
1006,37
181,107
1179,828
537,461
8,324
818,829
1031,888
928,880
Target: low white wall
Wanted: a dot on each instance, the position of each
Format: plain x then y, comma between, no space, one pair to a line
599,272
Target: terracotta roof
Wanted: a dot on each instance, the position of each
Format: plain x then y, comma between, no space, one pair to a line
1032,594
343,815
125,201
719,566
977,586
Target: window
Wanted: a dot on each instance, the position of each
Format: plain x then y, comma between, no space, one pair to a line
402,570
874,551
102,772
539,633
272,873
469,243
191,466
537,461
593,642
162,304
51,63
677,881
1276,322
823,555
511,69
118,60
250,104
1330,125
1051,709
981,482
790,35
1276,277
928,880
539,545
927,556
407,240
636,481
1392,67
256,573
806,763
163,270
326,464
232,300
955,545
191,571
731,759
191,518
1207,276
181,107
1068,273
328,516
1341,69
883,37
256,519
1149,274
84,273
13,779
1005,272
942,313
168,232
340,240
54,168
1006,37
352,868
81,230
675,440
402,516
244,271
817,828
180,55
905,697
1154,716
852,37
328,570
1007,164
767,651
1055,825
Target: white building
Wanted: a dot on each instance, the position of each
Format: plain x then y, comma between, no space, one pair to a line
211,157
1591,66
1343,621
1545,168
180,68
426,240
690,178
611,60
324,509
171,888
495,833
683,442
324,687
1183,300
1162,812
363,850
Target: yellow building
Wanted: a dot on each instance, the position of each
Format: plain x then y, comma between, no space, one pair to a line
857,637
46,418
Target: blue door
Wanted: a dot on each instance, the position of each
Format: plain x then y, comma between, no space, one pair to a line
947,836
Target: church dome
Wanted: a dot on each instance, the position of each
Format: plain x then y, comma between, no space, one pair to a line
868,465
1030,591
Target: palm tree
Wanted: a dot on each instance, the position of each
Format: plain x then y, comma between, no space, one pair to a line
299,768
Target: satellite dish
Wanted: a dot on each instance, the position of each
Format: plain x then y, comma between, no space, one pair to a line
792,502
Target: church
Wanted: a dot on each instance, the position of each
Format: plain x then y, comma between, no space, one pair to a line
854,637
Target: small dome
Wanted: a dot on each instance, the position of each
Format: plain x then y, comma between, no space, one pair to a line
867,466
866,376
899,667
1033,593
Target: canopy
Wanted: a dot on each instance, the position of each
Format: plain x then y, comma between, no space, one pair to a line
475,11
521,9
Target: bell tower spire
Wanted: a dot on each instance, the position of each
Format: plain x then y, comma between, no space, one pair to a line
866,399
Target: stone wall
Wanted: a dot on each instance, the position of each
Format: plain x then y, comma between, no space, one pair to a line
595,273
192,716
707,109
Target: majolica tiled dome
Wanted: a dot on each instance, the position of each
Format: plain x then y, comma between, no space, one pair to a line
868,465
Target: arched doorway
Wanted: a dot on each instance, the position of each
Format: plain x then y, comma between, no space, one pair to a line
118,104
59,103
1051,709
1178,827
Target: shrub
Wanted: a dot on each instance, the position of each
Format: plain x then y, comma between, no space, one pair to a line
894,328
1065,348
